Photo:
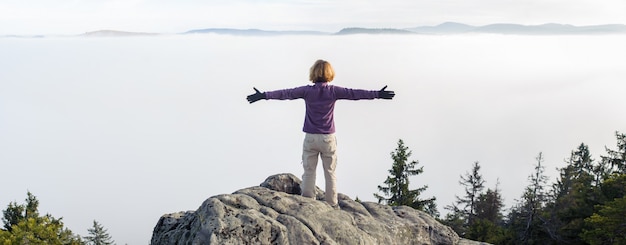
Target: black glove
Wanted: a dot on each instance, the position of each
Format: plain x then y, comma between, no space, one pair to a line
386,94
256,96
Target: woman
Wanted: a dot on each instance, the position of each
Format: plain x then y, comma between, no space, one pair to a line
319,125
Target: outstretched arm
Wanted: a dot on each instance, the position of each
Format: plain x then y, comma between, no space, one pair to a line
256,96
360,94
283,94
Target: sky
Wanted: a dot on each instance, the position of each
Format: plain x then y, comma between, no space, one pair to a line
41,17
123,130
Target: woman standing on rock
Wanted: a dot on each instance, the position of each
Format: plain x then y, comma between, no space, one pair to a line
319,124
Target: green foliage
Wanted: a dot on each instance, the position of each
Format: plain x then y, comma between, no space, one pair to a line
474,185
575,197
586,204
396,190
40,230
24,225
485,226
486,222
524,228
614,186
617,158
477,215
455,220
489,206
98,235
12,215
487,231
608,225
525,218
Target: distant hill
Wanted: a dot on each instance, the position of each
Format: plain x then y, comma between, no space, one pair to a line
502,28
444,28
253,32
357,30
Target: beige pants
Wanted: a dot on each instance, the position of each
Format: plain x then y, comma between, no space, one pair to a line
325,146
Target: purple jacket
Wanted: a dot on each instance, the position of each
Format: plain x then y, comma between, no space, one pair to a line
320,103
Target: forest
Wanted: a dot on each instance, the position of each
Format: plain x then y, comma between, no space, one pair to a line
24,224
586,204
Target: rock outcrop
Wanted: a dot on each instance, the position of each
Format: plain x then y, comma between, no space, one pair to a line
275,213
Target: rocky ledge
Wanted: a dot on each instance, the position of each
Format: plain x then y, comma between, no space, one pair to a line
275,213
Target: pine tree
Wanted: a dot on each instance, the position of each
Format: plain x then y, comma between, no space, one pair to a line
98,235
24,225
487,225
573,198
12,215
489,206
455,219
463,210
525,218
617,158
608,225
533,201
396,190
474,185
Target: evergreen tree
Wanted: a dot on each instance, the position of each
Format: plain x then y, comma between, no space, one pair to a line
12,215
614,187
489,206
487,231
98,235
474,185
24,225
487,225
608,225
574,198
463,211
613,184
396,190
525,219
455,219
617,158
533,202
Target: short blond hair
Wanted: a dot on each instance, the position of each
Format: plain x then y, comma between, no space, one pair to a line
321,71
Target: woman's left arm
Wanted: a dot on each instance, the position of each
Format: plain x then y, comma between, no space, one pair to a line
360,94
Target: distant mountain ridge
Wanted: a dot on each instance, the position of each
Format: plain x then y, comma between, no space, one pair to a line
502,28
445,28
